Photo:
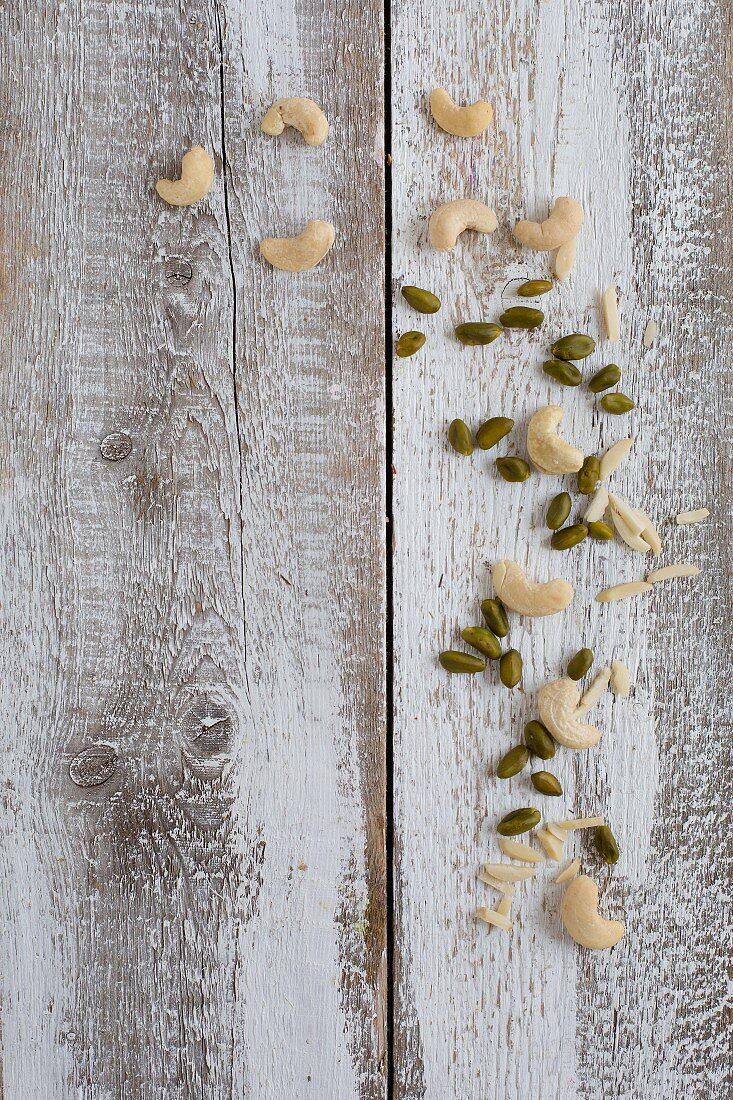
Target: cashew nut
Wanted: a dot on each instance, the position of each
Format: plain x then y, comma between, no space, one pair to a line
562,226
197,176
549,453
301,113
529,597
558,705
460,121
583,921
302,252
450,220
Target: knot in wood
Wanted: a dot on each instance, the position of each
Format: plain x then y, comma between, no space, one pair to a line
178,272
115,446
207,737
93,766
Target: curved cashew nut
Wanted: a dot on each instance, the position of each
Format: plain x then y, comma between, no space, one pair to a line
450,220
583,921
562,225
558,706
460,121
302,252
301,113
529,597
549,453
197,176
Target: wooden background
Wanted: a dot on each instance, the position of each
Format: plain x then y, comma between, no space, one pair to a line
269,890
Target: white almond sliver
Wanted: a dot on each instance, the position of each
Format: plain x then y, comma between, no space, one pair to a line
560,834
507,872
565,258
551,844
620,679
514,849
650,333
649,532
597,506
693,517
628,514
569,872
609,304
596,690
497,884
623,591
629,536
614,456
573,823
670,571
504,906
491,916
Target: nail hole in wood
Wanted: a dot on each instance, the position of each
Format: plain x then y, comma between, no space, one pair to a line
93,766
115,446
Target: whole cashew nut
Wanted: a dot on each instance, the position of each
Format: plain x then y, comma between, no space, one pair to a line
562,226
197,176
549,453
460,121
529,597
450,220
302,252
558,706
301,113
583,921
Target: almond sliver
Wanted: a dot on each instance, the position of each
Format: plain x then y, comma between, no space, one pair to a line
609,304
497,884
569,872
670,571
623,591
596,690
614,456
597,506
507,872
573,823
504,906
697,516
514,849
491,916
552,845
620,678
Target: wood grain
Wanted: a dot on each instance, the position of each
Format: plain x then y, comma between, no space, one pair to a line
607,104
209,611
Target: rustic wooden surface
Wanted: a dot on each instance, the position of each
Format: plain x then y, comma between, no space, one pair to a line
613,104
211,920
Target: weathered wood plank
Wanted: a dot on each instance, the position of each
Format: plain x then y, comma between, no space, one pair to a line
579,110
195,925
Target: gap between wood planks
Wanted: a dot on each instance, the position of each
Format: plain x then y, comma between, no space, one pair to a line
389,544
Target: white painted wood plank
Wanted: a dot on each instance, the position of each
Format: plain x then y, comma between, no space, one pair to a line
577,111
210,921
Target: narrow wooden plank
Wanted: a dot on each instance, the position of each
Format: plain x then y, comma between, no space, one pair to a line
192,609
577,112
310,383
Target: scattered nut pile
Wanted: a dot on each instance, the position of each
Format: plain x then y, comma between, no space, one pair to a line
562,709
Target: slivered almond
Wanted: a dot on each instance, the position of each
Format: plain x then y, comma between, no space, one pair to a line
697,516
497,884
573,823
569,872
650,333
614,456
620,678
609,304
492,916
623,591
554,828
507,872
627,513
649,532
504,906
596,690
552,845
597,506
514,849
670,571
